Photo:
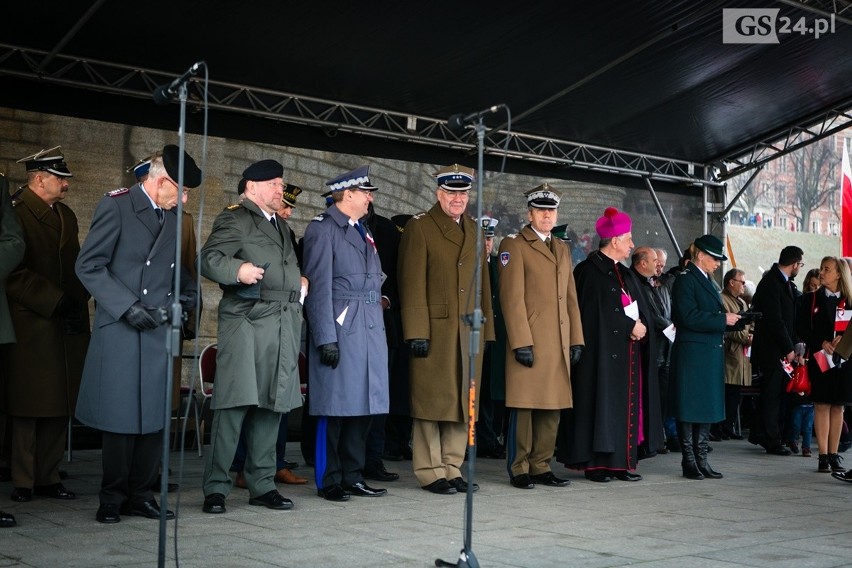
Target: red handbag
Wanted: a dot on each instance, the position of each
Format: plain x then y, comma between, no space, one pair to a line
800,382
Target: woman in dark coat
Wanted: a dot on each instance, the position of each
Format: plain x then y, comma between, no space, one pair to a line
698,358
819,323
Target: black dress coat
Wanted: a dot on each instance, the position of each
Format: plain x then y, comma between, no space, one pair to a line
815,324
774,333
595,432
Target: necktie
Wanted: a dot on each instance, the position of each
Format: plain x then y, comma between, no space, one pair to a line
159,215
361,231
274,223
549,242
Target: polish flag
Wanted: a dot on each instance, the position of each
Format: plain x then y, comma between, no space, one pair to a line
846,202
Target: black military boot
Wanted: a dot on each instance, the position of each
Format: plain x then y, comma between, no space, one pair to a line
701,445
690,468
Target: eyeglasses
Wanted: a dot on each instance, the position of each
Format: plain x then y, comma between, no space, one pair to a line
740,281
800,264
275,184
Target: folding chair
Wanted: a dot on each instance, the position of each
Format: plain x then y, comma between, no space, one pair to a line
204,394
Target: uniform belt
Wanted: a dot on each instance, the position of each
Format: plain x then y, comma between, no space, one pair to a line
280,295
370,297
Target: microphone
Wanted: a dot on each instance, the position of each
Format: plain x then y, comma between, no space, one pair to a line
458,122
165,93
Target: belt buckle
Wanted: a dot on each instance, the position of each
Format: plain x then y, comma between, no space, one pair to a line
373,298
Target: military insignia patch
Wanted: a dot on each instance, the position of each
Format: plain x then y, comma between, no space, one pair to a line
232,207
117,192
504,258
319,217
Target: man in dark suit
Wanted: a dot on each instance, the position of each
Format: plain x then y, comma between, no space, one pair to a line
127,262
774,337
48,305
12,246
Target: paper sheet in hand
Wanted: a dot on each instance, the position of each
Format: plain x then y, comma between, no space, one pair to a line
342,317
670,332
631,310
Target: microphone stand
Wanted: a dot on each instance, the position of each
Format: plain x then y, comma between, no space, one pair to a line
174,337
466,557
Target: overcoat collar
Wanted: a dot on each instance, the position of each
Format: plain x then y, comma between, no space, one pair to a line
537,244
465,238
704,281
164,236
352,235
41,210
263,224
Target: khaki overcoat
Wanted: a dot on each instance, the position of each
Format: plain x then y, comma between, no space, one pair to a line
539,303
437,258
737,365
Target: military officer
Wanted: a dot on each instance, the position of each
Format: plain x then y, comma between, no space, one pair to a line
545,337
348,352
49,309
12,246
437,261
128,261
252,258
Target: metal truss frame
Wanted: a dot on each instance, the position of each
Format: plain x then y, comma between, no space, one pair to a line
335,116
789,140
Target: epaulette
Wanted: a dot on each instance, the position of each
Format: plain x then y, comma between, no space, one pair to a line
512,236
398,228
117,192
320,217
16,197
233,206
418,215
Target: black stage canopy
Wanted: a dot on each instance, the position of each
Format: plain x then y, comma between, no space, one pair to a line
650,78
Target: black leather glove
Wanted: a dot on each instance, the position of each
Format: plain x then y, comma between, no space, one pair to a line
329,355
68,307
576,353
419,347
139,317
524,356
188,301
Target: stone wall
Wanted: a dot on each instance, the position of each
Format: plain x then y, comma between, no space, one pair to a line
99,153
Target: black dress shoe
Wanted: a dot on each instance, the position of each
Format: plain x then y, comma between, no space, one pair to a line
272,500
379,473
461,485
108,514
847,476
441,487
21,494
147,509
627,476
548,478
523,481
214,504
55,491
778,450
6,520
598,475
333,493
361,489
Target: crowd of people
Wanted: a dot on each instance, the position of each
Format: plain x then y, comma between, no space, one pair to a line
599,364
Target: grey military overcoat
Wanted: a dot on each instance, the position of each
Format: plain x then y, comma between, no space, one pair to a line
127,257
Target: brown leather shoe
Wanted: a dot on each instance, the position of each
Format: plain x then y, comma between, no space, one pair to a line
240,481
284,475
